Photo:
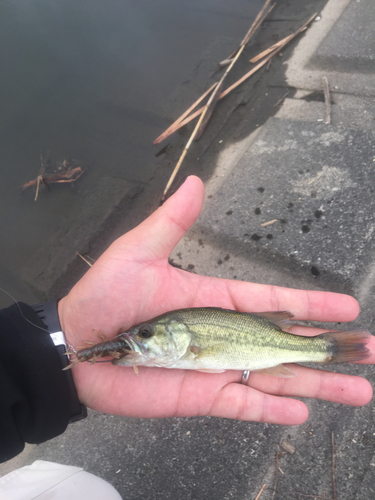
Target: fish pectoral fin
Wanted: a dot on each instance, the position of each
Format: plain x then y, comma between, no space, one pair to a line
209,352
207,370
277,371
202,355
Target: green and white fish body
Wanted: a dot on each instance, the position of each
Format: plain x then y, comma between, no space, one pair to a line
213,339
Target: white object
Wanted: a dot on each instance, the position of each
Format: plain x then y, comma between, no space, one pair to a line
49,481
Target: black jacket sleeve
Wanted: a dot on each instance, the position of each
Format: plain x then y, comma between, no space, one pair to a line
34,394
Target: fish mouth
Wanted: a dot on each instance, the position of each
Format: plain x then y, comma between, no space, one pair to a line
134,345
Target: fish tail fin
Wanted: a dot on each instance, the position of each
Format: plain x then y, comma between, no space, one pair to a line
346,347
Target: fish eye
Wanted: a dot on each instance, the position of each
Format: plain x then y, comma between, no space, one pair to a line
145,331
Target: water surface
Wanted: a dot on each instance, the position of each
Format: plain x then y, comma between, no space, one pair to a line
89,80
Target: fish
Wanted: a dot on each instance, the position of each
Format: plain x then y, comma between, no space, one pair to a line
214,340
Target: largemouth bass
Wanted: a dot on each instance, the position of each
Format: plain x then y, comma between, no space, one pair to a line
213,339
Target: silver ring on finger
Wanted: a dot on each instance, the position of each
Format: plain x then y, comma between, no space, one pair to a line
245,376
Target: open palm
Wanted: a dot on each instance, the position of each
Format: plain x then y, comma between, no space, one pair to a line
133,282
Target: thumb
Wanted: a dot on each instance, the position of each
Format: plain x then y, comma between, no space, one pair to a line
161,232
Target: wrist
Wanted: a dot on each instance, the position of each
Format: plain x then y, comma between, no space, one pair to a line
51,313
63,311
60,313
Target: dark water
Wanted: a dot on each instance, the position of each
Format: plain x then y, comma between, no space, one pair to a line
89,80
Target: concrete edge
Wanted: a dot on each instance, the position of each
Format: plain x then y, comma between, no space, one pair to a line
300,76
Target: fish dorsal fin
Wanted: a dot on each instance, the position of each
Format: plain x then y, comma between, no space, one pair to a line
277,371
279,318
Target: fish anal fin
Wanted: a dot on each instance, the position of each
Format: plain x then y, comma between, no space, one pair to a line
277,371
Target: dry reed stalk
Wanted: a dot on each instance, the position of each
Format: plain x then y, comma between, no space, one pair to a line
223,94
175,125
69,175
238,82
258,21
250,73
284,41
253,28
261,491
269,223
83,258
177,167
327,100
269,57
209,107
273,47
39,181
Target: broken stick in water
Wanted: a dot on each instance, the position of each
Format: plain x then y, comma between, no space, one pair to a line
64,172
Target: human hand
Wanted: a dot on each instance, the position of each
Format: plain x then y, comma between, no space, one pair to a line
133,281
